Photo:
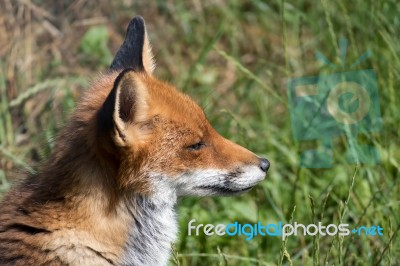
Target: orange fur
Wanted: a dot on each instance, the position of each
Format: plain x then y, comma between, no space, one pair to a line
127,127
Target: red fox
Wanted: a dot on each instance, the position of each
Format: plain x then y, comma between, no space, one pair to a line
107,194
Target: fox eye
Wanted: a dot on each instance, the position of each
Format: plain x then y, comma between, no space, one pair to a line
197,146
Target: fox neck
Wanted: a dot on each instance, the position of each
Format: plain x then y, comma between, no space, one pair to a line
151,219
153,230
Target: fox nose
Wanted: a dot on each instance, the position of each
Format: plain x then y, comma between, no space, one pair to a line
264,164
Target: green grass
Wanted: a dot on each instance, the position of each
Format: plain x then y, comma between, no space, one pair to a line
233,57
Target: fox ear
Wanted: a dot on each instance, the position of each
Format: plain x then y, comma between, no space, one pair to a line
135,52
125,106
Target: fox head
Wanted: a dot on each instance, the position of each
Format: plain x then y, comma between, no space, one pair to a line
161,138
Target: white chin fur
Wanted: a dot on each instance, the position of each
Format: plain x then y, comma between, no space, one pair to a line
215,181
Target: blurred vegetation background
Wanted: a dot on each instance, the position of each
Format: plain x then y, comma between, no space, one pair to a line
233,57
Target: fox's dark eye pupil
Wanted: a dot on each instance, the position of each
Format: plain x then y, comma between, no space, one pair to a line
196,146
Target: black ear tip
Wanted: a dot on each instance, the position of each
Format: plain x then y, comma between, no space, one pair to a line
138,19
136,29
136,23
129,55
